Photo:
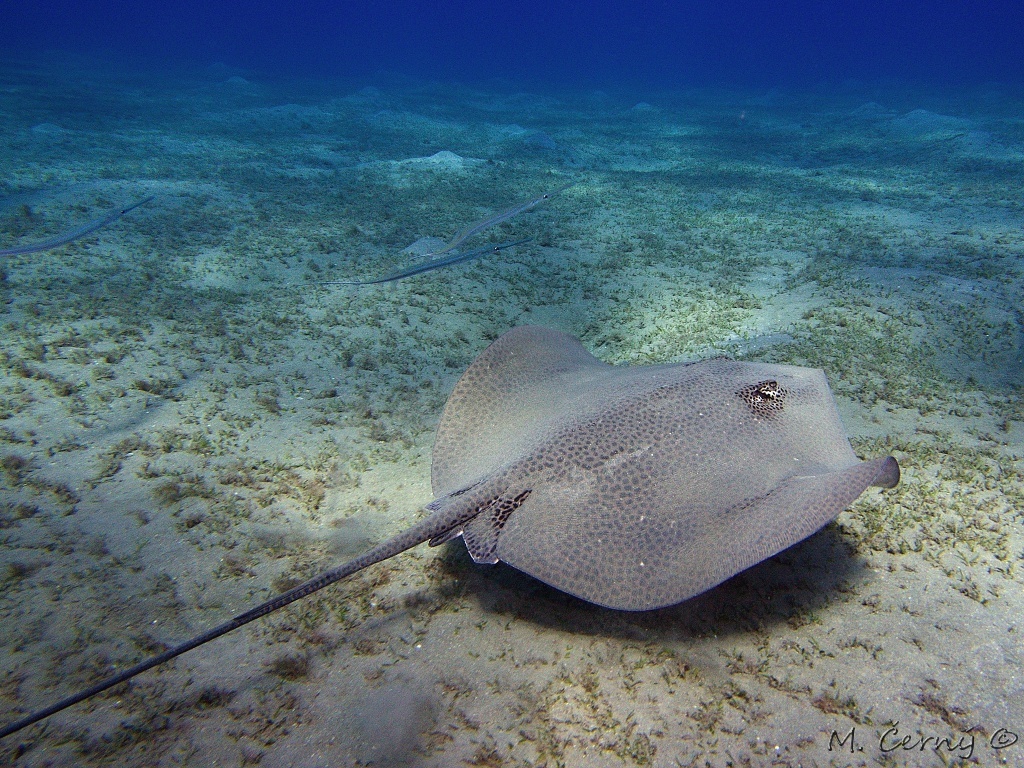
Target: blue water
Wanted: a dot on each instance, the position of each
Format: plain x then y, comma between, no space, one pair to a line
663,43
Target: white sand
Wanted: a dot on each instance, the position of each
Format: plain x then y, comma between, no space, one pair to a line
188,427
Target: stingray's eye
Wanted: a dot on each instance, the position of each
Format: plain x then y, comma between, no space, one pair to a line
764,398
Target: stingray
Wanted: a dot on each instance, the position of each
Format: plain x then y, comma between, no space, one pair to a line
633,488
74,234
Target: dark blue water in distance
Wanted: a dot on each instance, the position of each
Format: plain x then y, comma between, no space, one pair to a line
667,44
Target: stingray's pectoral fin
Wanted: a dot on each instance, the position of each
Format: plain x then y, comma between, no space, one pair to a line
888,473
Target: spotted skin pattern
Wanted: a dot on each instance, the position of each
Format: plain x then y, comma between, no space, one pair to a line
646,485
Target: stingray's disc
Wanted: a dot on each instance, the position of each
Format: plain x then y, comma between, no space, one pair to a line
645,485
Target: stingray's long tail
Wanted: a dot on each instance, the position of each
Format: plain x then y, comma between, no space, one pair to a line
430,265
74,234
423,531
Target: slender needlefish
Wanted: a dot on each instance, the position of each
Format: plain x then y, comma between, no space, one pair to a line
435,264
74,234
490,221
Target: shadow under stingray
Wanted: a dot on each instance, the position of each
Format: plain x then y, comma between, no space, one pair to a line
783,589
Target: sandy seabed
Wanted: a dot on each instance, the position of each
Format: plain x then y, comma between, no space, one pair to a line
188,424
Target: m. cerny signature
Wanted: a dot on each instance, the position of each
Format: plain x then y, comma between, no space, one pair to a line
892,740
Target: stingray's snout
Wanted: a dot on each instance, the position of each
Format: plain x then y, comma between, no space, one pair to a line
888,473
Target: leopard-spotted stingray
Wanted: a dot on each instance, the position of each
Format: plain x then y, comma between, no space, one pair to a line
630,487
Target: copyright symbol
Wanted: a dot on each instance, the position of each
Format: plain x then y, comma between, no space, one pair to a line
1002,739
